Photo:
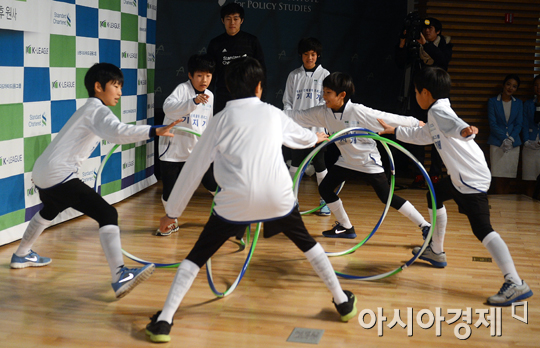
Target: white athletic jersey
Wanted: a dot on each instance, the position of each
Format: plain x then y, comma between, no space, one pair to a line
244,141
358,154
76,141
304,90
180,105
462,157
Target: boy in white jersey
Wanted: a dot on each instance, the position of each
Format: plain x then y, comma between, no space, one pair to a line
55,174
304,90
244,141
359,157
468,181
191,103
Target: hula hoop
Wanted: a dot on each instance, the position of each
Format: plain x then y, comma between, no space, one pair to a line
97,183
369,134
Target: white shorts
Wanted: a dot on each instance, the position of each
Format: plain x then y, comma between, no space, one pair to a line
504,164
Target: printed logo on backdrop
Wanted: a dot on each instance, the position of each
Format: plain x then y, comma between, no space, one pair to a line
37,118
129,6
110,24
129,53
87,52
284,5
21,15
62,19
129,109
11,85
88,171
63,83
31,192
11,158
151,9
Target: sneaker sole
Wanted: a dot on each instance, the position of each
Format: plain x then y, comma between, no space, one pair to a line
141,277
343,235
434,263
352,313
20,265
323,214
158,338
165,234
508,303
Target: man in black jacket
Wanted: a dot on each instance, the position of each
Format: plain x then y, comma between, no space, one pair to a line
433,49
228,46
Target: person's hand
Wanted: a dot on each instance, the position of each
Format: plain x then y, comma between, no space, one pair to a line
166,131
422,40
403,39
164,223
321,137
465,132
201,98
507,145
533,145
387,129
421,123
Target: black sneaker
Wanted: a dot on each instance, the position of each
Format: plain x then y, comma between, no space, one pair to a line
339,231
158,330
347,310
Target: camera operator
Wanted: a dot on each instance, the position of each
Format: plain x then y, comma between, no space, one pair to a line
421,44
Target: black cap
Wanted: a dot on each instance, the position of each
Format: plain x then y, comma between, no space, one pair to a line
430,21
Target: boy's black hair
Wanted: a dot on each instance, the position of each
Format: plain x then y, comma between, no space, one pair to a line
340,82
309,44
242,77
232,8
435,80
512,77
102,73
202,63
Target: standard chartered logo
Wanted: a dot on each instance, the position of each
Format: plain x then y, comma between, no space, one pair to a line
37,120
131,2
62,19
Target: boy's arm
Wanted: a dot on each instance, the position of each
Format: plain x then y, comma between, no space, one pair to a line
371,116
296,137
178,104
312,117
412,135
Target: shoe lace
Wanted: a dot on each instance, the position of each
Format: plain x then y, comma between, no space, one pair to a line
505,287
336,224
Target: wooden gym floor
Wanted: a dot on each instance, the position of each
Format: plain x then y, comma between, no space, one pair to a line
70,303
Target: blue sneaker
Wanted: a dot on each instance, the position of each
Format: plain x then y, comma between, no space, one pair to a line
30,260
130,278
437,260
510,292
324,211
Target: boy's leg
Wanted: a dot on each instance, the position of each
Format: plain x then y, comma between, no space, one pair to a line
24,256
54,201
293,227
169,174
379,182
336,175
320,174
214,235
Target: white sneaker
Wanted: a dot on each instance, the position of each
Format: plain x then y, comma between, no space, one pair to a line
510,292
437,260
170,229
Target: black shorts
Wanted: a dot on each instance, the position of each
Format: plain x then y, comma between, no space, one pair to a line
474,205
217,231
77,195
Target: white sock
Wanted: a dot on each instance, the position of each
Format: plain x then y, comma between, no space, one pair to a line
409,211
499,251
187,271
292,171
437,241
320,176
322,266
340,213
109,236
34,229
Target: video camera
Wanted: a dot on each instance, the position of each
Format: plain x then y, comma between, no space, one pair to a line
413,26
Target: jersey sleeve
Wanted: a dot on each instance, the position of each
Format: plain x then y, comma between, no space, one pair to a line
107,126
369,117
288,94
312,117
178,104
414,135
294,136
